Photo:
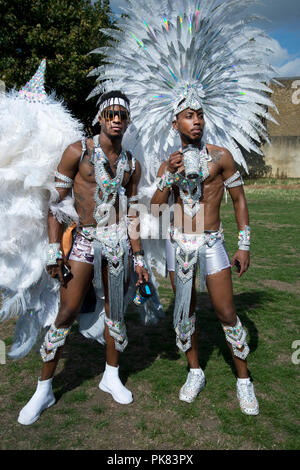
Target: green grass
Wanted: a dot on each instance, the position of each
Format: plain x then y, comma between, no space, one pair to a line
272,181
267,300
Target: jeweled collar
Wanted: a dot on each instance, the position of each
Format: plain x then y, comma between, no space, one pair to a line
100,156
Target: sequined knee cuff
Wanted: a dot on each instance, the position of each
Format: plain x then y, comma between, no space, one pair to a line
117,330
54,339
236,336
184,331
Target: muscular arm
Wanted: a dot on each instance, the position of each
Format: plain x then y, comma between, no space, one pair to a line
237,194
161,197
134,228
240,208
134,224
68,166
173,165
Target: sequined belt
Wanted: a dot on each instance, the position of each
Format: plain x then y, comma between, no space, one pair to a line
193,241
108,235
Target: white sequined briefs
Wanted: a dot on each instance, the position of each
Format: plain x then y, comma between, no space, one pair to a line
216,257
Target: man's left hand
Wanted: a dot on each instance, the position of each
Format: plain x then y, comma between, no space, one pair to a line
243,258
142,274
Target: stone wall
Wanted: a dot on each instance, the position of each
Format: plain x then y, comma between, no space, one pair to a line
282,157
286,99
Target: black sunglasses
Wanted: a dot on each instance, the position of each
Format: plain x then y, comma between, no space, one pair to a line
110,115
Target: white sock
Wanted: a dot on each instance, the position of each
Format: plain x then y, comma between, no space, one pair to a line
112,384
243,381
42,398
197,371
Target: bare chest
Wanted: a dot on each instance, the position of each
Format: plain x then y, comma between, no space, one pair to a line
86,173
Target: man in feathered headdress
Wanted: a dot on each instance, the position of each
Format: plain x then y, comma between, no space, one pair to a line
196,175
102,176
35,195
184,62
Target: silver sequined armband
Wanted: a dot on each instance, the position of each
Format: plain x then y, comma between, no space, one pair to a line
54,253
244,239
67,182
133,200
233,182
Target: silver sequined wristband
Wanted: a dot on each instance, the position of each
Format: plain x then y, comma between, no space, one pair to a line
165,181
54,253
139,261
244,239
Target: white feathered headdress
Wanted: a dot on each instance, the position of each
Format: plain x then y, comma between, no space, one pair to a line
165,51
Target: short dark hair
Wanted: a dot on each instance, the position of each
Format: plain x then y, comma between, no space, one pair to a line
113,94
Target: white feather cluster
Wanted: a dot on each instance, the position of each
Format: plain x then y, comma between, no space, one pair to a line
33,137
162,48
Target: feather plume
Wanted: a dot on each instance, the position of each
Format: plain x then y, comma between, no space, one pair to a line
161,49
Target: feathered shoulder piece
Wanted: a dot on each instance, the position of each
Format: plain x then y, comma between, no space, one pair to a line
165,51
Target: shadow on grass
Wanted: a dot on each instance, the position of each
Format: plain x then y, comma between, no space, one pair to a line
210,331
86,358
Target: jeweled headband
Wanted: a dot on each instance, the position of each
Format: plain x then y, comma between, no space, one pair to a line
192,101
114,102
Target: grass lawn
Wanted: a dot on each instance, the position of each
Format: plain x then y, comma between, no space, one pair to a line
267,299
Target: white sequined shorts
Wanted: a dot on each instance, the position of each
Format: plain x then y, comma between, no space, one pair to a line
216,257
82,250
83,247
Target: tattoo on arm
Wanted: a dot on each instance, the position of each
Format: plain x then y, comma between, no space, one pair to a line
216,155
78,197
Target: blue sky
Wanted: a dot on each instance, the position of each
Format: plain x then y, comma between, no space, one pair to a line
283,26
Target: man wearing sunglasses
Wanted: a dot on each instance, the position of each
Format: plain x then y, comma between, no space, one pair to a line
101,175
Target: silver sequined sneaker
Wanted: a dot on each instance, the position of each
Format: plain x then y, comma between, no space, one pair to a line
246,397
195,382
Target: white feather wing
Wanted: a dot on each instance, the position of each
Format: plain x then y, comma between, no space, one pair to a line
33,137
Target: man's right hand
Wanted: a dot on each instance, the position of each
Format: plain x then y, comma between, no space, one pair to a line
56,271
175,163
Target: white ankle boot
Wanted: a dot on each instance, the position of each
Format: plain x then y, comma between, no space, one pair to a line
42,399
195,382
111,383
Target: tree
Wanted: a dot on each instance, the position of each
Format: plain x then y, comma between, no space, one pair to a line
63,31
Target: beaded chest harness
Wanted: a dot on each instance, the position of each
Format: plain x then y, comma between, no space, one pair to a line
111,241
110,187
190,188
